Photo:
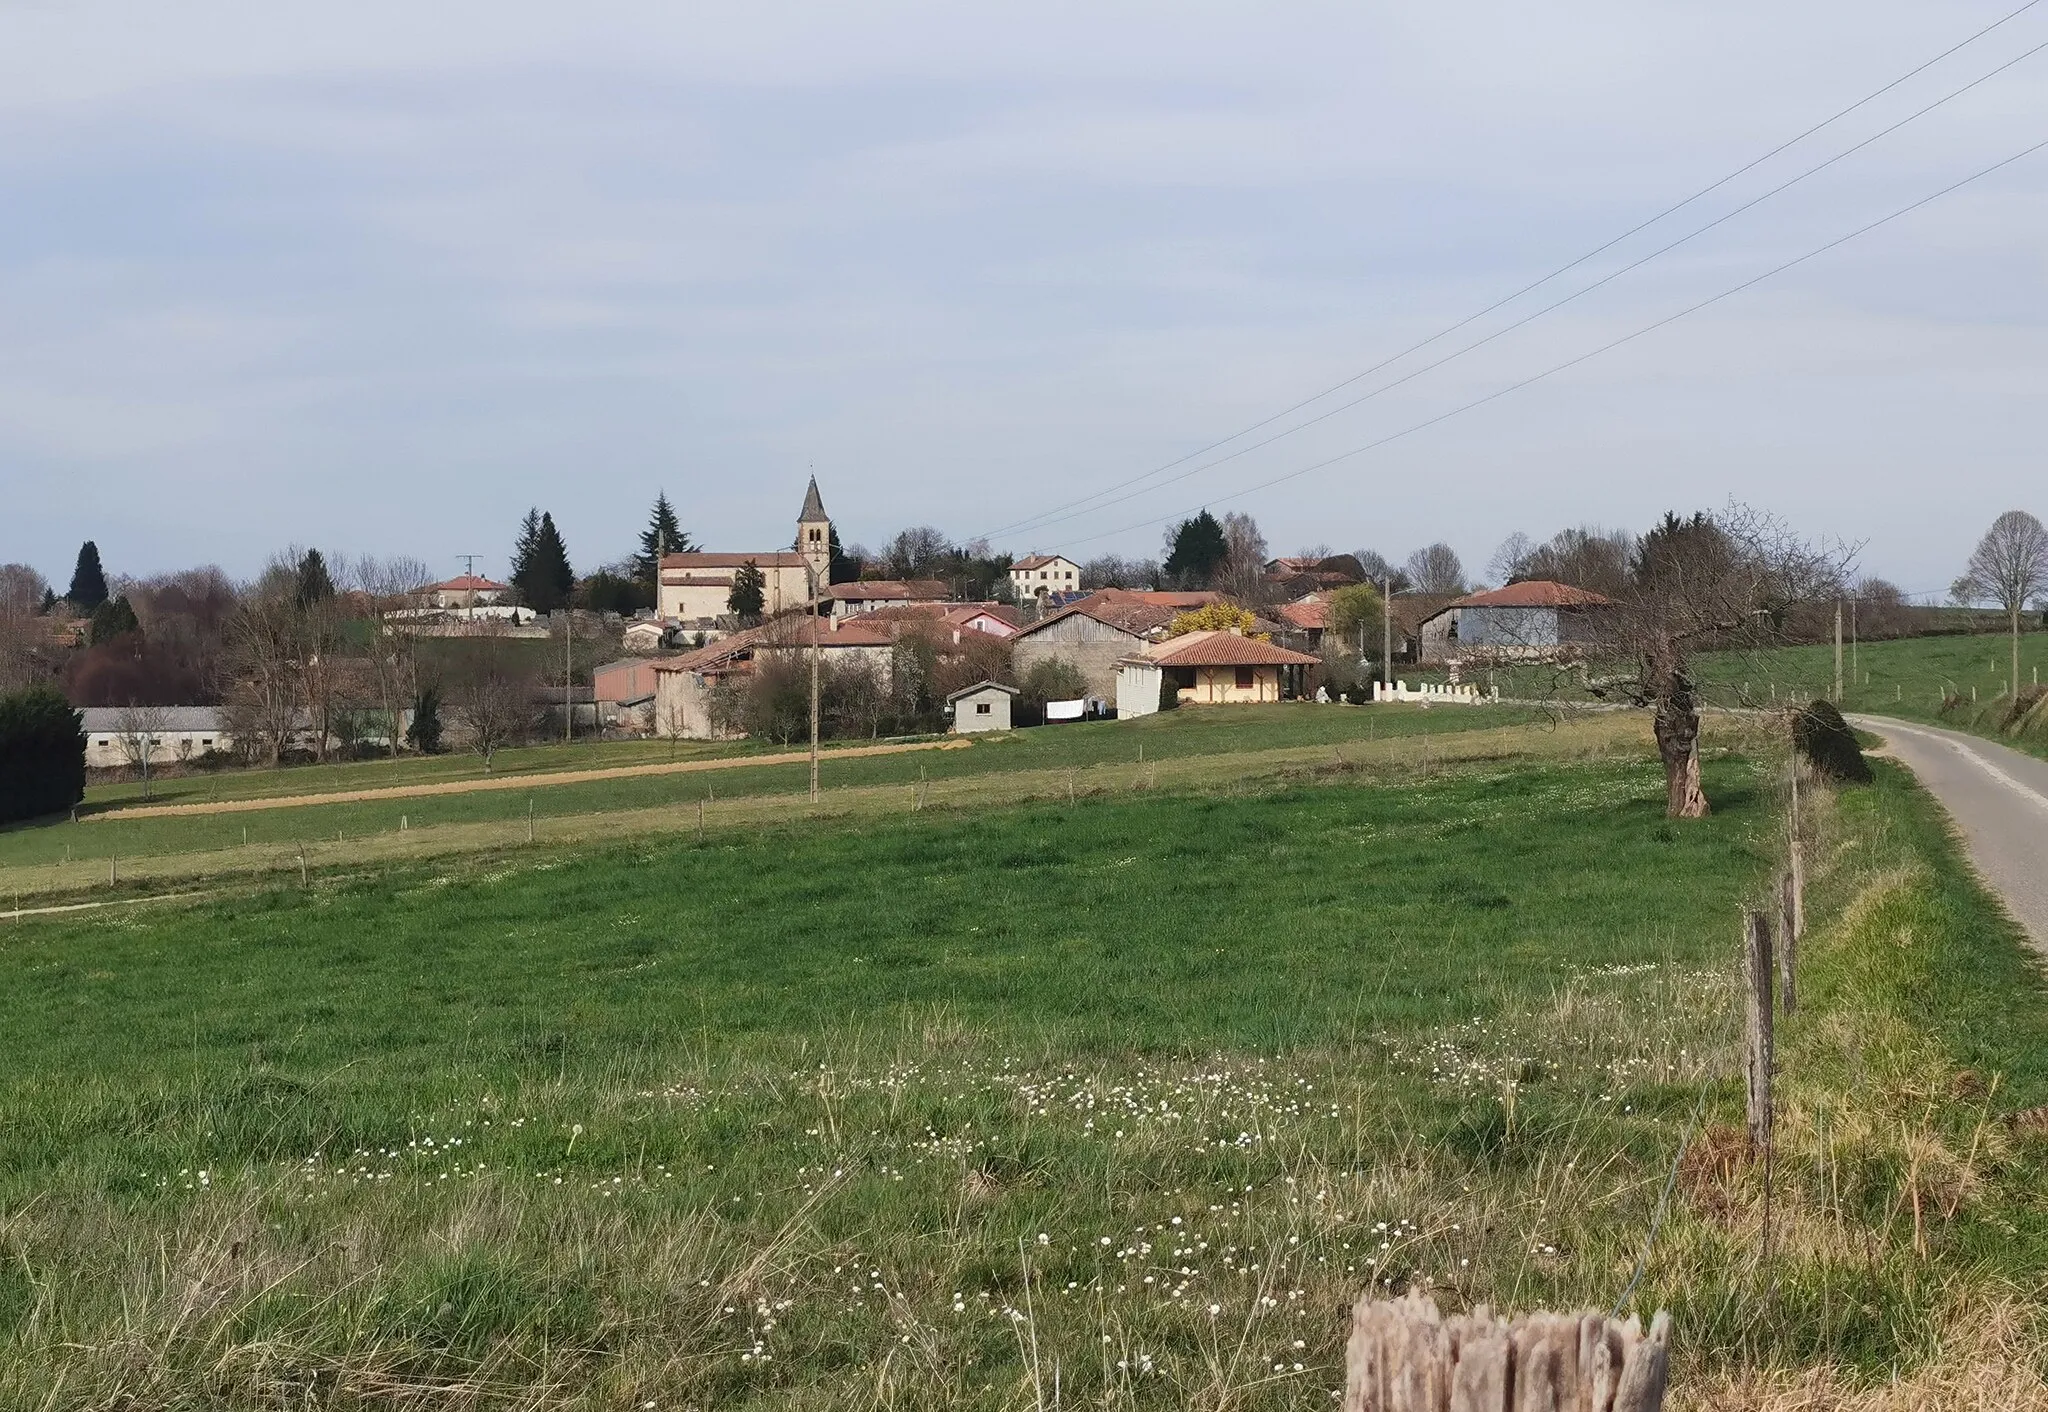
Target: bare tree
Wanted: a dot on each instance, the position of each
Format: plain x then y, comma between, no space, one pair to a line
492,695
386,588
139,731
913,552
21,628
265,647
1729,581
1112,571
1506,564
1587,557
1382,571
2009,567
1242,574
1436,570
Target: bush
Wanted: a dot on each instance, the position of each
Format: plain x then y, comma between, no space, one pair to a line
1824,740
1054,679
42,754
423,733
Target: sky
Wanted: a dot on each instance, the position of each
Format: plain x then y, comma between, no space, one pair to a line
378,277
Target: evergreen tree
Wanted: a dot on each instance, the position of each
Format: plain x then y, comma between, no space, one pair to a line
49,601
423,733
42,754
540,564
1196,548
749,594
315,584
663,535
88,581
843,570
113,618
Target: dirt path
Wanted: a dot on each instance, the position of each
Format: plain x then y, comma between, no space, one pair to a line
527,781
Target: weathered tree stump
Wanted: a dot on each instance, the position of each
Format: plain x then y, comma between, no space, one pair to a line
1405,1356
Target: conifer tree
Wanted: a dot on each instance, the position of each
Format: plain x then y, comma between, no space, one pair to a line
749,593
113,618
1196,548
315,584
663,535
88,580
540,564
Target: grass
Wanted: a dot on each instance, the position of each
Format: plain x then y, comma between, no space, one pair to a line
60,858
1117,1104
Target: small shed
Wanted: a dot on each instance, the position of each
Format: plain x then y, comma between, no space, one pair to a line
985,706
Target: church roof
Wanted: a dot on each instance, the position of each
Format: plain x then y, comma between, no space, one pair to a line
814,507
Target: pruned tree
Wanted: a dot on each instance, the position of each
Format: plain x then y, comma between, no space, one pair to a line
2009,567
1436,569
138,732
1727,581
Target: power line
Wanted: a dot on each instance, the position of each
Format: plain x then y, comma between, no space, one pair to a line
1555,304
1593,353
1032,521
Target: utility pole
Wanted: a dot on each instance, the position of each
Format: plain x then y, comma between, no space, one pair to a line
816,647
1855,657
1838,651
1387,636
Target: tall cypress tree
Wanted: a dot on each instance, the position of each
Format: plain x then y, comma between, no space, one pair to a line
663,535
1196,548
315,584
88,581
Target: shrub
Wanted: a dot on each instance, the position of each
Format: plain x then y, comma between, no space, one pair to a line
1824,740
1054,679
423,732
42,754
1217,617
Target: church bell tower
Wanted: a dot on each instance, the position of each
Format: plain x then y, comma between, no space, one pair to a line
814,537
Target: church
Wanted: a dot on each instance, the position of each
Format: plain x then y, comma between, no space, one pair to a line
695,586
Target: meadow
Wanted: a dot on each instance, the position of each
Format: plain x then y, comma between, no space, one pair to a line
1116,1103
60,857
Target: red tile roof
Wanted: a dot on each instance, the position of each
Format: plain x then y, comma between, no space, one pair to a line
1305,614
469,583
917,590
699,559
1224,649
1536,593
794,631
1039,561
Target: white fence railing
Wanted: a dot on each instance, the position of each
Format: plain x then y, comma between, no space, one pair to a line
1433,694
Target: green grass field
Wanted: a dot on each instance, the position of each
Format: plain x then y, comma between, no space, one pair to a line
1117,1104
212,843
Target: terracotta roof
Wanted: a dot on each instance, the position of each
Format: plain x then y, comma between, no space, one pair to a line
789,632
701,559
469,583
1535,593
1039,561
696,580
1306,614
1223,649
926,590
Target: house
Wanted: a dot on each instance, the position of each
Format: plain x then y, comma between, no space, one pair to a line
1306,573
989,619
683,686
119,736
644,635
866,596
1305,620
1094,634
624,691
1037,575
696,587
465,591
1536,620
1209,669
985,706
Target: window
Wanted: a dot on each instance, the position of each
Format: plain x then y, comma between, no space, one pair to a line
1245,679
981,708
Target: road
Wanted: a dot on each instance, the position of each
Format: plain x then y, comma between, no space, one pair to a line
1998,799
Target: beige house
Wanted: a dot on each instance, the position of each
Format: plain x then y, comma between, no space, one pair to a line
985,706
683,686
1037,575
1209,669
466,591
696,588
873,595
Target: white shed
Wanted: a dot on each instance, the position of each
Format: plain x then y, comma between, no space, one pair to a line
985,706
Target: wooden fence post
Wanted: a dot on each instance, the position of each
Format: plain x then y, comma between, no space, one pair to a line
1798,920
1756,1028
1788,939
1405,1356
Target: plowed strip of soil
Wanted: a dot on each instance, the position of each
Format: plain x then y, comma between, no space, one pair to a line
532,781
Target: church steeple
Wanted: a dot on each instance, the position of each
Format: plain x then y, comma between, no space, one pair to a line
814,536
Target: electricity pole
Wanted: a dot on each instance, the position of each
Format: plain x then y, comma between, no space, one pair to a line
1387,636
811,574
1838,651
568,679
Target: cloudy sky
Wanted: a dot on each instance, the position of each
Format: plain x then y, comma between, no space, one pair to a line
379,276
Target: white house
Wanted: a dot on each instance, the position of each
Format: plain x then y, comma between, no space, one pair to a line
696,587
117,736
985,706
1037,575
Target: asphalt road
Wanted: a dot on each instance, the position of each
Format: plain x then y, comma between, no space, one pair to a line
1998,799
